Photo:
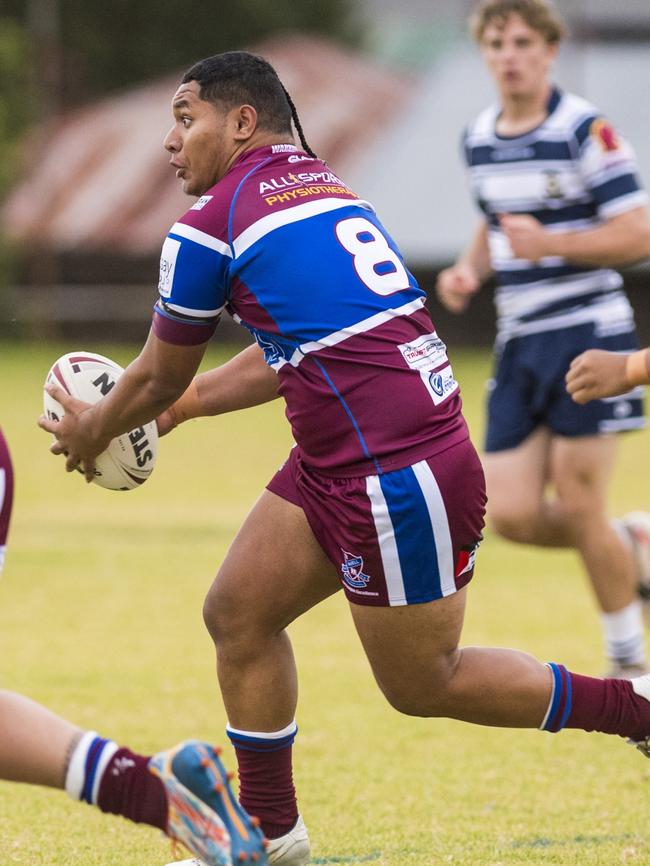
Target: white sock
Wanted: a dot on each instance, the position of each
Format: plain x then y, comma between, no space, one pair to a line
86,767
624,636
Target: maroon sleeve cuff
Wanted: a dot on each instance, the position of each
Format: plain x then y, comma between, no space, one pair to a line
181,333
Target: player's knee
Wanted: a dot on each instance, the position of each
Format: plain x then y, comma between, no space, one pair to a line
222,615
515,524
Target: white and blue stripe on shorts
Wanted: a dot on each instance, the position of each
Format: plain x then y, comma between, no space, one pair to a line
413,534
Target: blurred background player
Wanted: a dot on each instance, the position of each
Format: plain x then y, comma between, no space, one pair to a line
594,375
383,494
174,790
562,206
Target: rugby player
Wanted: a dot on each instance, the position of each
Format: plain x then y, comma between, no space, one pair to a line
561,207
173,790
383,494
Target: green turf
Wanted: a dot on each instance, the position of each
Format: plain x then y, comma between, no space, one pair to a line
100,619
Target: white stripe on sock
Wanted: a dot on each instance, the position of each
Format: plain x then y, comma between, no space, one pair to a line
265,735
76,773
550,703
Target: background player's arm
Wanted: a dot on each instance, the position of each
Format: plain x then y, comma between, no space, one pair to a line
456,285
244,381
621,240
596,374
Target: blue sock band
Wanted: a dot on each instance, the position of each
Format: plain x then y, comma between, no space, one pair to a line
92,760
559,707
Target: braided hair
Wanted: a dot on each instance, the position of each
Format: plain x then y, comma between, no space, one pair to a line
237,77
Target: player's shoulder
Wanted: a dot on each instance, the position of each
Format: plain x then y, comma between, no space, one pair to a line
573,117
205,222
482,126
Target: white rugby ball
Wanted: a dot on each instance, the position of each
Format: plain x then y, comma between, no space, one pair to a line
130,458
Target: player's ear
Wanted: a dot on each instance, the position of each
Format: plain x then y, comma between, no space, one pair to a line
245,122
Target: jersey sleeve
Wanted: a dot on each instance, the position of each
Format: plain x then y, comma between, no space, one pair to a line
192,288
608,167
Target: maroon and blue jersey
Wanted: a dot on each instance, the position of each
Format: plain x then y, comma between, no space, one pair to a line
296,257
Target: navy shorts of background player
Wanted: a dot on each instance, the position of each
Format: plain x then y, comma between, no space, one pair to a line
572,172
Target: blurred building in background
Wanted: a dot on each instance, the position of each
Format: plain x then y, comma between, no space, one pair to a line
91,214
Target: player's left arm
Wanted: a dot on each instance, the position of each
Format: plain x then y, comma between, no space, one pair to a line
621,240
607,167
595,374
149,385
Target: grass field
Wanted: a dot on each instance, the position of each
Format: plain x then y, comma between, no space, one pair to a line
100,619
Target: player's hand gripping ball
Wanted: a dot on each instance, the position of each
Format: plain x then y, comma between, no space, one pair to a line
130,458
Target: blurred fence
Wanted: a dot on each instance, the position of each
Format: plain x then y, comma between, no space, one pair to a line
122,312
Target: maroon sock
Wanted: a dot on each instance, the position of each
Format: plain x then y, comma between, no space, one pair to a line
266,787
128,788
610,706
606,705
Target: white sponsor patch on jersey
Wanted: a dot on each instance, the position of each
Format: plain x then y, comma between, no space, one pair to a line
425,353
167,266
440,384
201,203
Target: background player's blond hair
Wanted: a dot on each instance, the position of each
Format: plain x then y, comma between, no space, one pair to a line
538,14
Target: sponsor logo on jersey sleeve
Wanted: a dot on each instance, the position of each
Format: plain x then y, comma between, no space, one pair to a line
167,266
605,135
425,353
201,203
441,384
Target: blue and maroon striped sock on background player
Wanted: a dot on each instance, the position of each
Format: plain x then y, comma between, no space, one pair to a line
607,705
117,781
266,787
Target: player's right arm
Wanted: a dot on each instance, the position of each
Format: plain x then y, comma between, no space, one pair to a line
457,285
244,381
595,374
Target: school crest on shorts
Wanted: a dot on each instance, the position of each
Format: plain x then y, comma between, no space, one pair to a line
352,569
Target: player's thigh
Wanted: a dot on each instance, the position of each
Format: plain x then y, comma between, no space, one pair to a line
274,571
581,469
412,649
516,477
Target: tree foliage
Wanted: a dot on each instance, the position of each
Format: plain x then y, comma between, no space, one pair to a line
108,44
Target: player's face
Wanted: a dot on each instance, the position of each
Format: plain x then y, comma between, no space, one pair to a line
199,142
518,57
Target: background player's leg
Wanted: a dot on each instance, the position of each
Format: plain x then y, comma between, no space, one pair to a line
517,506
35,744
581,470
573,515
274,571
414,657
40,748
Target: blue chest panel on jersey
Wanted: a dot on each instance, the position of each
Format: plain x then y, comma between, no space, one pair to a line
311,285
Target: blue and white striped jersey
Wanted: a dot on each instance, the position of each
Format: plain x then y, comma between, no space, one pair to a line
572,173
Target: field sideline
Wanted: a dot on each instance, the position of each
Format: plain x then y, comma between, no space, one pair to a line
100,619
